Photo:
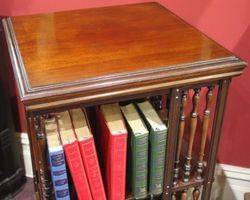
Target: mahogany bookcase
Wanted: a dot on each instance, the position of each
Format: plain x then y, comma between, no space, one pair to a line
112,54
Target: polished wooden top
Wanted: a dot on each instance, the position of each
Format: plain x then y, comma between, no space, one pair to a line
73,47
69,46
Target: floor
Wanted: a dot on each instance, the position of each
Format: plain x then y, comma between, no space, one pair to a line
27,191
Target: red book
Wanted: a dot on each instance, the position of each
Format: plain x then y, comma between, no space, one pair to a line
88,152
73,156
113,135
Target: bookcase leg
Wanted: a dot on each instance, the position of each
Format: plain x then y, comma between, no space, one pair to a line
218,119
33,155
174,114
42,176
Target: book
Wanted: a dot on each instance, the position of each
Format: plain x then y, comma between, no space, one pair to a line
138,135
73,155
113,135
56,161
157,144
88,153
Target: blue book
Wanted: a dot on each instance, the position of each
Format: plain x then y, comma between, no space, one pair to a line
57,161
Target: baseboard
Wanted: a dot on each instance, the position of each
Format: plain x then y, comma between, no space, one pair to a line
231,182
23,144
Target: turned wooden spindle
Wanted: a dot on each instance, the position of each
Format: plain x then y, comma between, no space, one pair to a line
193,125
196,193
180,136
184,195
205,127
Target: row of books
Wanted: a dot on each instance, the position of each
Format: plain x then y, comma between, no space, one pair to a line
130,141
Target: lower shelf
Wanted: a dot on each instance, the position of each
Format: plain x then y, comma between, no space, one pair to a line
149,197
180,186
193,182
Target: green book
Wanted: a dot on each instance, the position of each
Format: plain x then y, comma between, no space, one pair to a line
157,146
138,135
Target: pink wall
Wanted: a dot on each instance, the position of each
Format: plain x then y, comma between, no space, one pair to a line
23,7
225,21
228,23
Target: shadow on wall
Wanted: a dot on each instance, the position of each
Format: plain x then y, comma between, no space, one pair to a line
221,189
187,12
231,183
243,46
26,7
234,134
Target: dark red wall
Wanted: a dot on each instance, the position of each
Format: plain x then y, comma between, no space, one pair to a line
227,22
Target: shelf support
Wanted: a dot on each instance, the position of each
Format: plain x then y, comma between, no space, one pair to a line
42,176
216,131
182,122
174,115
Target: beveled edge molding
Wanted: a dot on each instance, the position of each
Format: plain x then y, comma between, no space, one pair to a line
172,75
19,75
98,97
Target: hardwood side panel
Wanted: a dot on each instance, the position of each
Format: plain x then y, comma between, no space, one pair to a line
216,131
35,162
174,114
182,122
43,187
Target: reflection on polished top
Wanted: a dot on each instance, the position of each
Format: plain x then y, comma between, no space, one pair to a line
74,45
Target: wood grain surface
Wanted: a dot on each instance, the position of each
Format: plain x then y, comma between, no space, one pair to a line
69,46
79,55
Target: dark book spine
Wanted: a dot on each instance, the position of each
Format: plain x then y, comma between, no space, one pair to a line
139,165
59,174
157,161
